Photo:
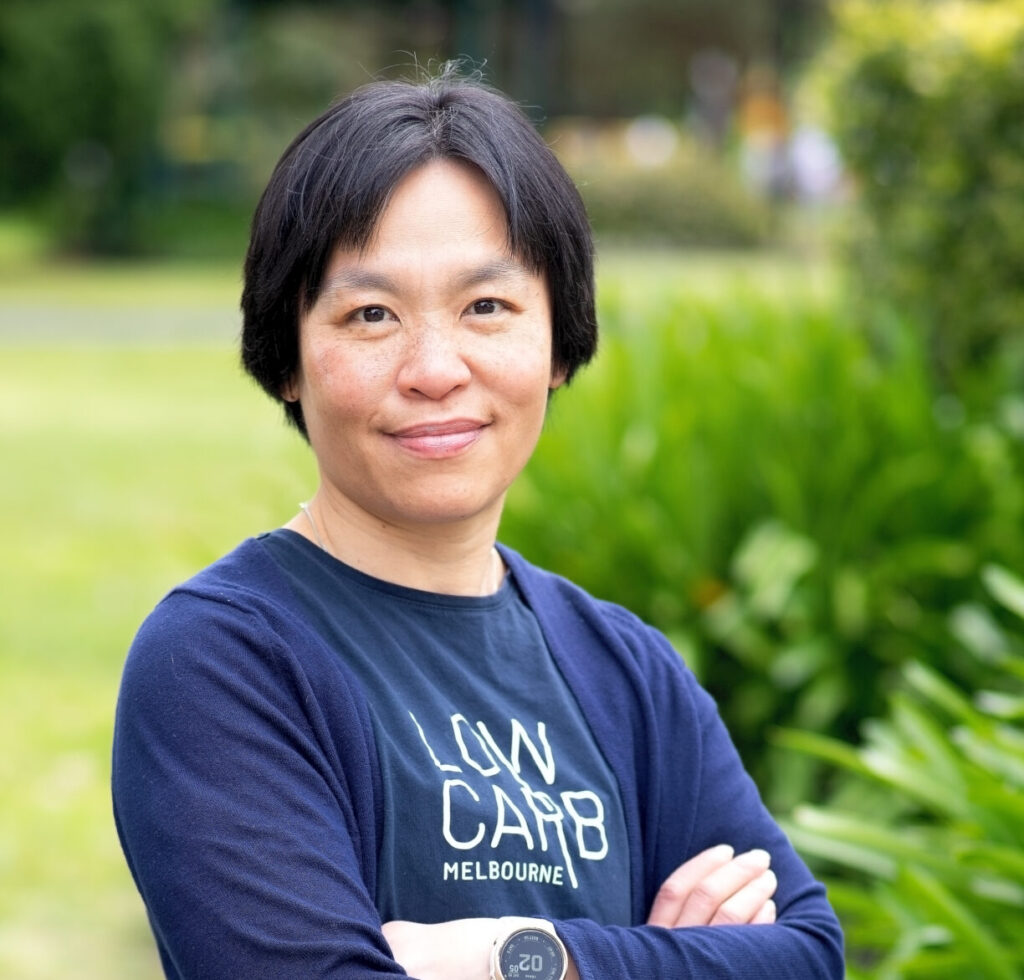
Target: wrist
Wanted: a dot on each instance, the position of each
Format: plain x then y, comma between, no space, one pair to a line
528,949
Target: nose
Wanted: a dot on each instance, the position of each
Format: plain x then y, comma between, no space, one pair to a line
435,364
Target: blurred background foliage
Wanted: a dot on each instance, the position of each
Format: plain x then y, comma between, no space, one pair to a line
927,104
927,821
120,119
800,453
798,515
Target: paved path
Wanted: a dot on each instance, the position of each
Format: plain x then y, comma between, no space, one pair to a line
53,325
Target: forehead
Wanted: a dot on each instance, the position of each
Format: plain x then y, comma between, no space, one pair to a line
442,198
444,217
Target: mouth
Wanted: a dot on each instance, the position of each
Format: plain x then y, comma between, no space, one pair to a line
440,440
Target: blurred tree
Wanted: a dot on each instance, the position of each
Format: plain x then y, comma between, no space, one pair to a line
597,57
516,42
927,105
114,112
627,57
81,100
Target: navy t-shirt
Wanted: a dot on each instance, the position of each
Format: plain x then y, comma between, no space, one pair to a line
497,800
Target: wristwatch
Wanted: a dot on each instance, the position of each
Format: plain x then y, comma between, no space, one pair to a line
527,949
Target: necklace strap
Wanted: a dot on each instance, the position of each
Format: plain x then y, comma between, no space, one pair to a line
316,531
497,573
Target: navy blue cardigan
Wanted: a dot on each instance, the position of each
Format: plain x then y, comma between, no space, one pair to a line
248,799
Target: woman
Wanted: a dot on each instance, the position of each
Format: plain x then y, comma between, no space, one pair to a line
375,741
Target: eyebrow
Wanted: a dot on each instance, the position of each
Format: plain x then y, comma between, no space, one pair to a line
500,269
496,271
358,279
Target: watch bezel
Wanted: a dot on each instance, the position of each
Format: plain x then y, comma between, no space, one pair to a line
514,926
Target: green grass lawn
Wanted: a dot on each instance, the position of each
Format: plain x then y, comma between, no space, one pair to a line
125,470
132,455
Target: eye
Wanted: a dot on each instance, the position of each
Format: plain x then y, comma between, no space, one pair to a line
485,307
372,314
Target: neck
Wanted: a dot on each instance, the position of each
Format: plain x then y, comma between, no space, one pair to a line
453,559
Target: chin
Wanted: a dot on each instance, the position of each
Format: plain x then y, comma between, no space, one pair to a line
454,510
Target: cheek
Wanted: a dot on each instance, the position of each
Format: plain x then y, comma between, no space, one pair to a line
344,383
325,363
527,395
523,363
530,375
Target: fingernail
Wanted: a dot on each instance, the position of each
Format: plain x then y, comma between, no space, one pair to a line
757,858
723,852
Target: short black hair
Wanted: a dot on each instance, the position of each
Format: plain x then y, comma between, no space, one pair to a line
335,179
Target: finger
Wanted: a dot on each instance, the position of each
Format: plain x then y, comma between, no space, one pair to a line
677,887
766,914
743,906
717,888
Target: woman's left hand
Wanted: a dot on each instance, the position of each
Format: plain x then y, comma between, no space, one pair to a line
717,887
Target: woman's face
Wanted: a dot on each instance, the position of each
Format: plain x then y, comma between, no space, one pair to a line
425,364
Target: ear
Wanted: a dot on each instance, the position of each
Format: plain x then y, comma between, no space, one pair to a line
289,391
558,378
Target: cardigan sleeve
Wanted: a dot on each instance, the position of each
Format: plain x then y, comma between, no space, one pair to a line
252,846
805,942
684,789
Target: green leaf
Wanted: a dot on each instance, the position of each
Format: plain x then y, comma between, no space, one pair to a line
929,739
907,775
976,628
1004,761
984,947
825,846
822,747
893,846
1009,707
1006,588
939,691
769,563
1007,861
998,805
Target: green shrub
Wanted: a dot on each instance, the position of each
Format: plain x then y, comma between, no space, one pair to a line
929,822
700,203
927,104
82,89
795,515
688,195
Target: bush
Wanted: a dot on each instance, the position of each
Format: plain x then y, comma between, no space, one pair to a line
699,203
927,105
929,823
650,182
796,516
82,89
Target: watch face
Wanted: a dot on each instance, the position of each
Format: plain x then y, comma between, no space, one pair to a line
531,955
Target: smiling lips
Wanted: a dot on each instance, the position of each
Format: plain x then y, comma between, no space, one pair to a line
439,440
